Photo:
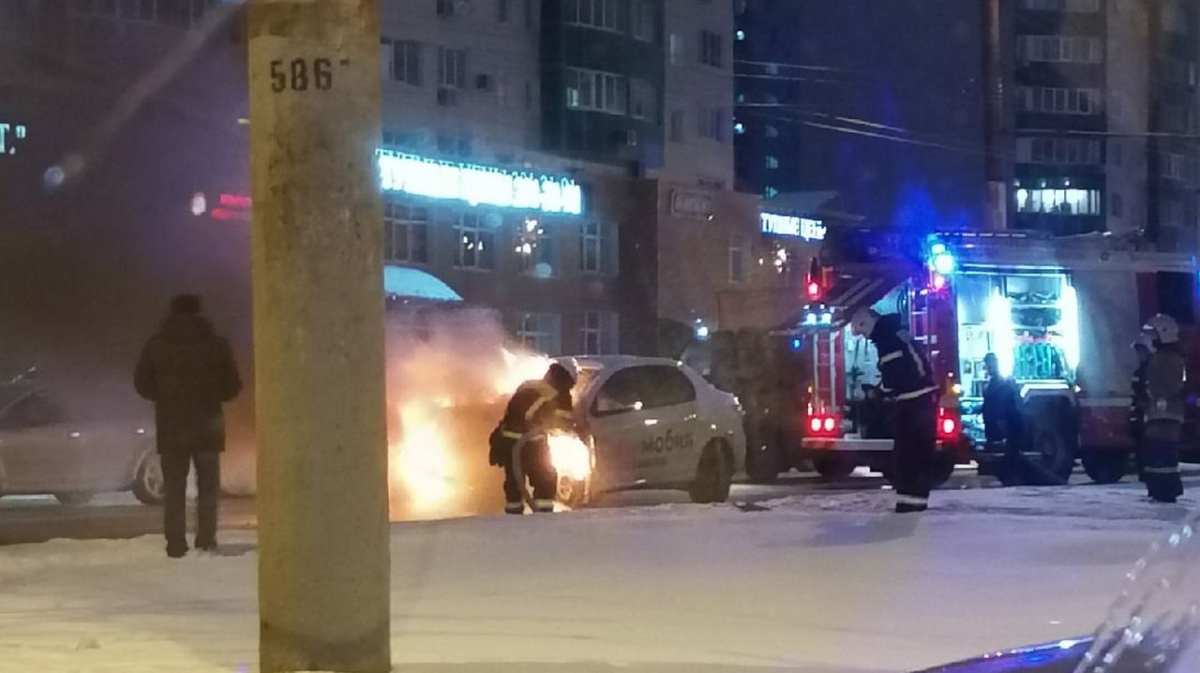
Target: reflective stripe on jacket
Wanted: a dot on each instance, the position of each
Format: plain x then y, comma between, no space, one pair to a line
905,373
1166,377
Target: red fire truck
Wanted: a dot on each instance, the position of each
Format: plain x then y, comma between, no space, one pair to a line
1059,314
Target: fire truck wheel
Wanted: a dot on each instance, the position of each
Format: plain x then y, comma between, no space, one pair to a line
763,464
1106,467
943,467
834,466
714,474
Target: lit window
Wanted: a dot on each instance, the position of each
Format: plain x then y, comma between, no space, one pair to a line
772,162
537,249
405,233
600,14
594,90
676,49
475,243
1059,201
737,260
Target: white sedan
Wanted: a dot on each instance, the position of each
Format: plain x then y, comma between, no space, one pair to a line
654,422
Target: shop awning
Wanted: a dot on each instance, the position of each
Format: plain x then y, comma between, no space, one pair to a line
407,283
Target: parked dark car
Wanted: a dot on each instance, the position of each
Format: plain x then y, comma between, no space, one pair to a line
44,449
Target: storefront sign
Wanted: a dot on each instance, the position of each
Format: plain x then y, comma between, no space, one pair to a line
793,227
11,136
478,185
691,204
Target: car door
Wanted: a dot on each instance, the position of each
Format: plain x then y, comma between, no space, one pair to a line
39,455
616,418
671,445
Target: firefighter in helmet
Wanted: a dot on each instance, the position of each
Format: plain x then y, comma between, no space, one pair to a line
1143,349
1003,424
906,381
1166,377
519,443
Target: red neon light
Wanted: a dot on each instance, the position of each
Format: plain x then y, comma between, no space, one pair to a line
813,290
225,214
235,201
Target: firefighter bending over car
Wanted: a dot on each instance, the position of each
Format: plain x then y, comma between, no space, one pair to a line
519,444
1165,380
906,380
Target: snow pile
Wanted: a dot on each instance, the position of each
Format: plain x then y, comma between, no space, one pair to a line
847,588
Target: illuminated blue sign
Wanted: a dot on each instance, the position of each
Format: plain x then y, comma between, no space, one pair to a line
793,227
10,135
477,185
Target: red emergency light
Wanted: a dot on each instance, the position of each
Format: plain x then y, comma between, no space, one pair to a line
823,425
947,425
812,284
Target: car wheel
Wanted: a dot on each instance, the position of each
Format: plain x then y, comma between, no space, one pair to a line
1106,467
714,475
944,463
834,466
572,492
73,499
148,480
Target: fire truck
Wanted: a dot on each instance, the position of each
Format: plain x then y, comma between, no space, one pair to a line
1059,314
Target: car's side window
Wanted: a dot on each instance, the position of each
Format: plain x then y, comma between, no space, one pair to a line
621,393
33,411
667,387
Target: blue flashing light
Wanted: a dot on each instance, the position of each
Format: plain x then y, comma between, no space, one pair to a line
741,35
797,344
943,262
937,248
826,318
810,318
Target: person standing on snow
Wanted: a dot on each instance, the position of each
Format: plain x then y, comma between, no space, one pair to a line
1002,419
1166,376
906,381
188,372
519,443
1143,348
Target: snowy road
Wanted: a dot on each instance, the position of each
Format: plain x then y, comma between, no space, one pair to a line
828,583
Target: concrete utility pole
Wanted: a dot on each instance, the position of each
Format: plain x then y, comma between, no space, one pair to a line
323,572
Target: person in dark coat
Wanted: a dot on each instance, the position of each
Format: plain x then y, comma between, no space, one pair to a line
1003,423
1166,403
188,372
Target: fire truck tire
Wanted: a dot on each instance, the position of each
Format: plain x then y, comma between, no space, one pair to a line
1054,450
1106,467
834,466
714,474
944,463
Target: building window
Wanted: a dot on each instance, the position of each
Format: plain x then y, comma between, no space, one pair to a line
1058,151
1176,166
1116,151
475,248
404,62
771,131
1056,49
645,20
772,162
445,8
1059,101
449,145
1117,207
452,69
175,13
737,260
1059,201
539,332
599,333
600,14
1078,6
676,49
711,48
405,233
678,130
597,248
594,90
530,10
643,99
710,123
770,192
502,11
537,249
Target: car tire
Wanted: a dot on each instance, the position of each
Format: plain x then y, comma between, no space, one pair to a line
944,463
572,493
148,480
714,475
73,499
1106,467
834,466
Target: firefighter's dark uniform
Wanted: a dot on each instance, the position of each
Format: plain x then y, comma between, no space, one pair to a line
1002,421
1166,377
519,443
907,381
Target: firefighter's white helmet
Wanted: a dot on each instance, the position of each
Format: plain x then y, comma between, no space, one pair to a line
1163,328
862,323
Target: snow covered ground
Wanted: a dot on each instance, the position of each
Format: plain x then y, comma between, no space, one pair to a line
821,583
